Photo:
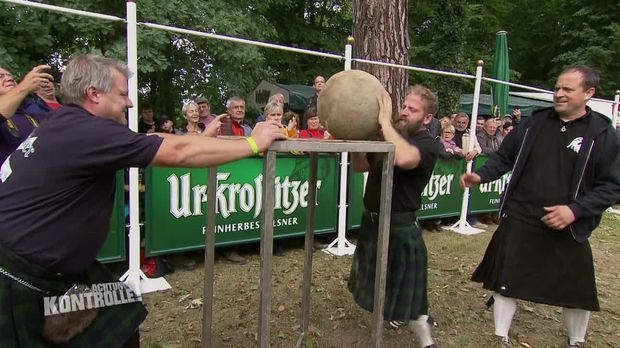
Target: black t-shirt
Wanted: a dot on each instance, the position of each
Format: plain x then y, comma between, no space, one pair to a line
549,169
57,188
408,185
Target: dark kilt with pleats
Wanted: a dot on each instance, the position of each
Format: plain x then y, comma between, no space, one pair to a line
406,295
21,308
528,261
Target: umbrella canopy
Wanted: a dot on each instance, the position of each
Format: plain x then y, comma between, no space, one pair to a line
501,72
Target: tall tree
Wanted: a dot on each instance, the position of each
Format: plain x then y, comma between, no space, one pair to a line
321,25
448,46
380,30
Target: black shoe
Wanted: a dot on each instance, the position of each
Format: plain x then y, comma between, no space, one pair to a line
318,246
278,250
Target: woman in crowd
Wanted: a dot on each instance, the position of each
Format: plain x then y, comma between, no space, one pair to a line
313,126
274,111
191,113
450,149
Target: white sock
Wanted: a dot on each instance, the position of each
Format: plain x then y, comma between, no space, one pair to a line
576,322
422,330
504,309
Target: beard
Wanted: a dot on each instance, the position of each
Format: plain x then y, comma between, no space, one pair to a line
406,128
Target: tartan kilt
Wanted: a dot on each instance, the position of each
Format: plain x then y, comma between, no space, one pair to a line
406,287
532,262
21,308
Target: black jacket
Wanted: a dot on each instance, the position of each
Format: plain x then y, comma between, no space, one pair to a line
596,185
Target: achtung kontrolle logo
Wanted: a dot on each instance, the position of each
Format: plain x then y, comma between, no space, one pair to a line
82,297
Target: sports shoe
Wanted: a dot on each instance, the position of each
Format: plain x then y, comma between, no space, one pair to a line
234,257
505,342
393,324
432,346
480,225
576,345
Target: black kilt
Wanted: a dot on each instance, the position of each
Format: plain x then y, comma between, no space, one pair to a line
406,295
532,262
21,308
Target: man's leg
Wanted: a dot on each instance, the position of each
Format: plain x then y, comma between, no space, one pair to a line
504,309
422,330
133,341
576,321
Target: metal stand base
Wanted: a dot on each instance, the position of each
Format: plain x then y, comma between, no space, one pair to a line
463,227
340,247
144,284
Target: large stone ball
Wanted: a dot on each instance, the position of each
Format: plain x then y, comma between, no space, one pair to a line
348,106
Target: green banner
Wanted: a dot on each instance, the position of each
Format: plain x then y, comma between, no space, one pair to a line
176,202
355,206
175,208
114,247
486,197
443,195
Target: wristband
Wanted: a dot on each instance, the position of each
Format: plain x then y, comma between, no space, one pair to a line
253,145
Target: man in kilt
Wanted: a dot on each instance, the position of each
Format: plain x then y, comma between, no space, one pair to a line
565,164
56,196
414,158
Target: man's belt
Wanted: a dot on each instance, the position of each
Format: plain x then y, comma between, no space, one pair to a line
399,216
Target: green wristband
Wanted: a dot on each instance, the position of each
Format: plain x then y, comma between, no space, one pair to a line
253,145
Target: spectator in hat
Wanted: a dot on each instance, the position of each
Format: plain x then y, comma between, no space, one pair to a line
506,119
165,125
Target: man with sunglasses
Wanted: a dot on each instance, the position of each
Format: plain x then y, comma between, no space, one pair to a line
15,123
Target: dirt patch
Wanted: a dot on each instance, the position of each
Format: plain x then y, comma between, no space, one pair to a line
336,321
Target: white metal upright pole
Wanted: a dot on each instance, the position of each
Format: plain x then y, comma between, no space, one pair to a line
134,277
342,245
614,110
462,226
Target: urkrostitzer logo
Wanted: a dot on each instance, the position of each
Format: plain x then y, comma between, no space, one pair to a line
82,297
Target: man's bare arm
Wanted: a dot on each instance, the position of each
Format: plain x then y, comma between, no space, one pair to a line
204,151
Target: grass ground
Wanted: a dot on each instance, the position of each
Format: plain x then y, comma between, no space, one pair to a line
336,321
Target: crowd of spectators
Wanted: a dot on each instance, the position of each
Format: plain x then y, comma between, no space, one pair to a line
454,142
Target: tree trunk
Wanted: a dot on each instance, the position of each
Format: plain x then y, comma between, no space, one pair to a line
380,29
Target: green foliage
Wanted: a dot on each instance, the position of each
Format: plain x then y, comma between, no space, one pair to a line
543,36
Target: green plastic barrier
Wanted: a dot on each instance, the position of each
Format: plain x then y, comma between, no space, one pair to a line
114,248
175,206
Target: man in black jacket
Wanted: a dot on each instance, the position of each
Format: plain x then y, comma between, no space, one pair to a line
566,172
